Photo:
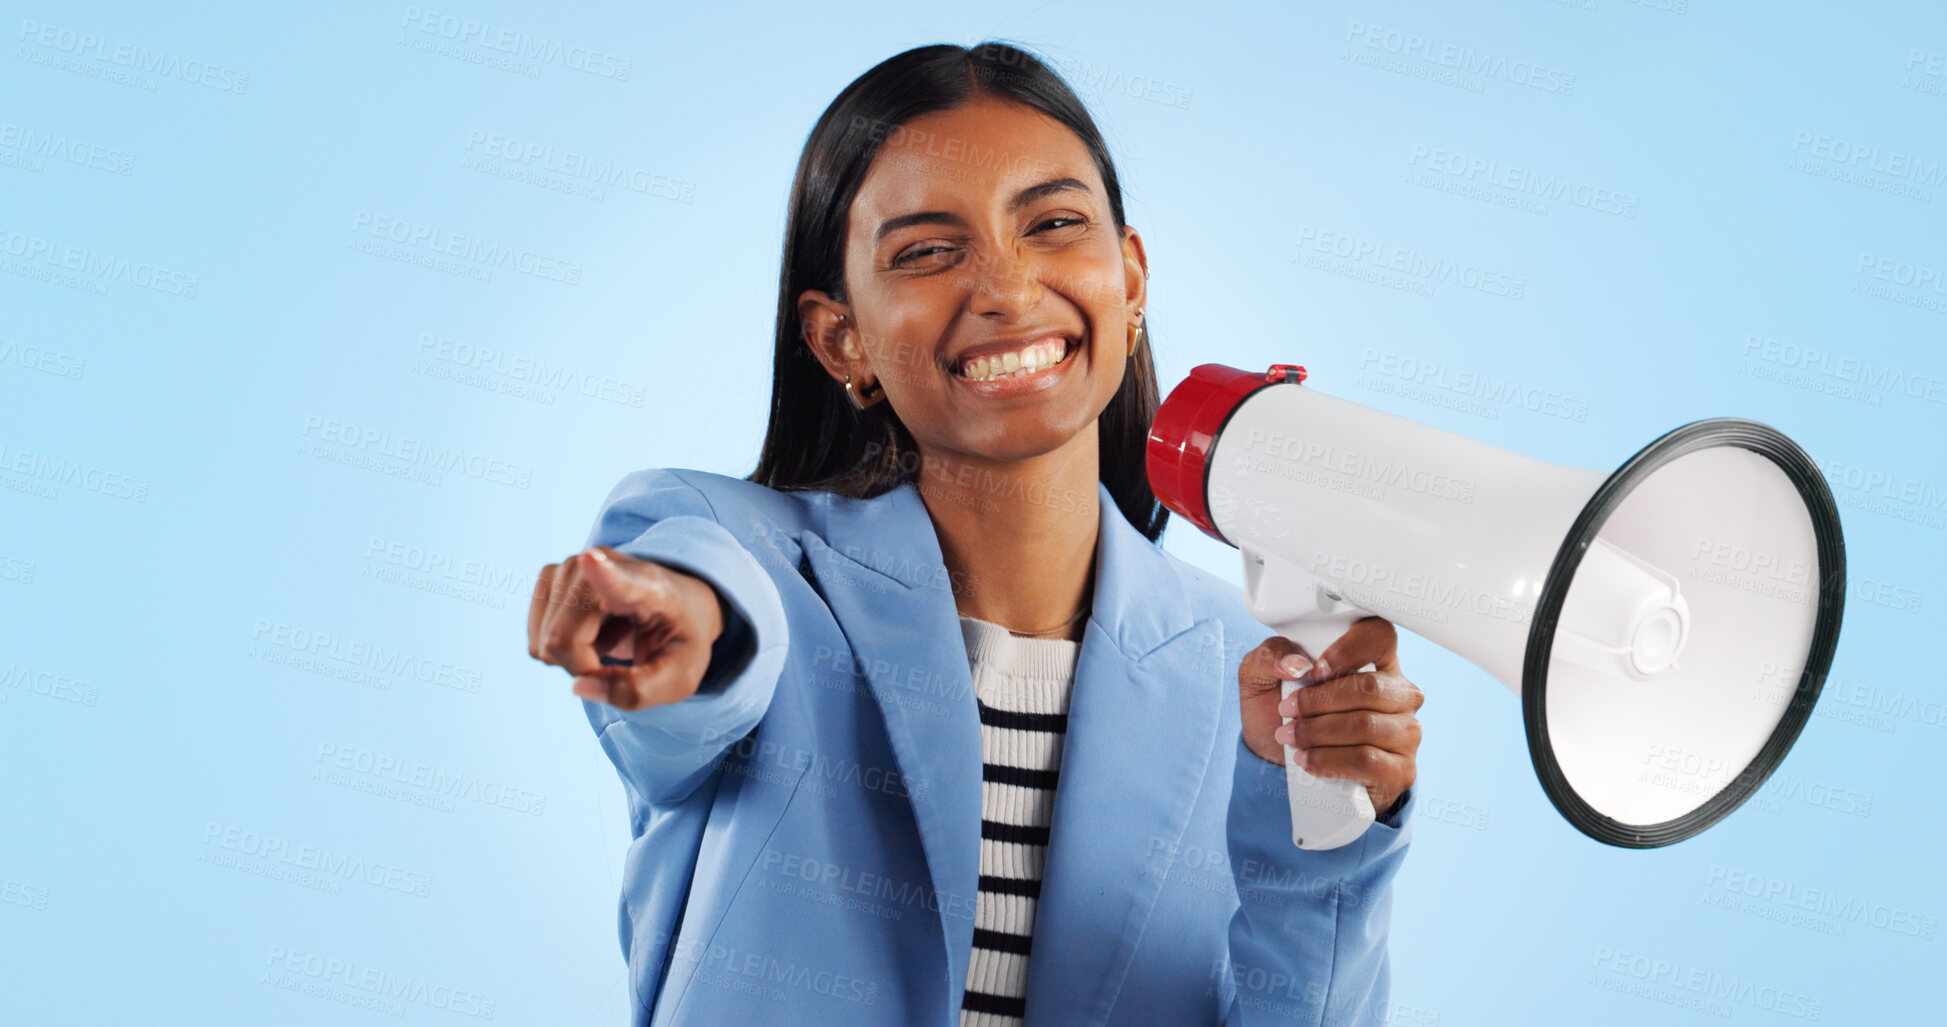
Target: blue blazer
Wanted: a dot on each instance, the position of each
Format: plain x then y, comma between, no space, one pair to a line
806,829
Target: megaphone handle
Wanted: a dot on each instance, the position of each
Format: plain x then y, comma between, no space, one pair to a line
1326,812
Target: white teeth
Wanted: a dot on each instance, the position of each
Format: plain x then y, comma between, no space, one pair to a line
1026,360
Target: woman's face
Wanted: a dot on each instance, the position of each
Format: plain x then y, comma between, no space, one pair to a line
989,290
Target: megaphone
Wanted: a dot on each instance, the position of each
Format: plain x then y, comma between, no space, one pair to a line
1667,625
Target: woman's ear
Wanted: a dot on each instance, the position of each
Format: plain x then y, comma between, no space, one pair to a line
831,335
1135,274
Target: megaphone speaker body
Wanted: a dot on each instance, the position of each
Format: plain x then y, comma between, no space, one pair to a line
1667,625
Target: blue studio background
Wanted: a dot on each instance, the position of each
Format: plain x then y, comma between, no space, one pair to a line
267,721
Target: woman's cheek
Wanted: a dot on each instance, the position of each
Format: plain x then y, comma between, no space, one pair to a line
1102,295
1098,281
905,367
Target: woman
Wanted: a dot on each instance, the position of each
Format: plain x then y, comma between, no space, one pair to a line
917,724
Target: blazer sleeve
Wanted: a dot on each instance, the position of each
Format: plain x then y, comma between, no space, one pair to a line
1311,926
664,752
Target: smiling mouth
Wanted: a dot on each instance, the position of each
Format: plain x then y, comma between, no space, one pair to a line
1015,363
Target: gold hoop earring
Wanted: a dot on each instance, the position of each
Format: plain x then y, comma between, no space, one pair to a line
859,398
1139,334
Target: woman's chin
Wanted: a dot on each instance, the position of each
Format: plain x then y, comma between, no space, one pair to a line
1005,441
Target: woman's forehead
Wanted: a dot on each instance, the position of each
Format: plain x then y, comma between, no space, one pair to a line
978,154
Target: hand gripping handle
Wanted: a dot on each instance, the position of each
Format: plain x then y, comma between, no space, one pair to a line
1326,812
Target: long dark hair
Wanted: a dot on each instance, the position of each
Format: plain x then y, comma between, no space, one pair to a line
816,440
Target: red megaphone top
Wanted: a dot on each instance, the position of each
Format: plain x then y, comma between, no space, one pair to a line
1187,426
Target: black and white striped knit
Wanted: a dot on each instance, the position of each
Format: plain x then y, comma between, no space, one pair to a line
1022,687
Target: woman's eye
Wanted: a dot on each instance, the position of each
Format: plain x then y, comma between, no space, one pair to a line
919,253
1058,222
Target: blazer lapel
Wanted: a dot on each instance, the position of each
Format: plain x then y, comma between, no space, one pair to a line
882,576
1142,727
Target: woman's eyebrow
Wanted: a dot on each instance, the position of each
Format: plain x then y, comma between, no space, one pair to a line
924,217
1035,192
941,217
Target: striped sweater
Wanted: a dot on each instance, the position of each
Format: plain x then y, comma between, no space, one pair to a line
1022,687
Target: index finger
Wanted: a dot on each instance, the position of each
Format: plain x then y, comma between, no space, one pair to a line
1380,692
1371,640
537,609
1264,667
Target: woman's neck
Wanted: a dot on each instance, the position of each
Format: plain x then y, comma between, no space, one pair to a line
1018,536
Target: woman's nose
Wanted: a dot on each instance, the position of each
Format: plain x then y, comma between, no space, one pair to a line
1005,285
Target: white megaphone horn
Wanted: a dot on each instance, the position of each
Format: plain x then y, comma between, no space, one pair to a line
1668,626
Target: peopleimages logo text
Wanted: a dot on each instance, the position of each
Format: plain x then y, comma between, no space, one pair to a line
138,59
517,43
420,452
95,265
